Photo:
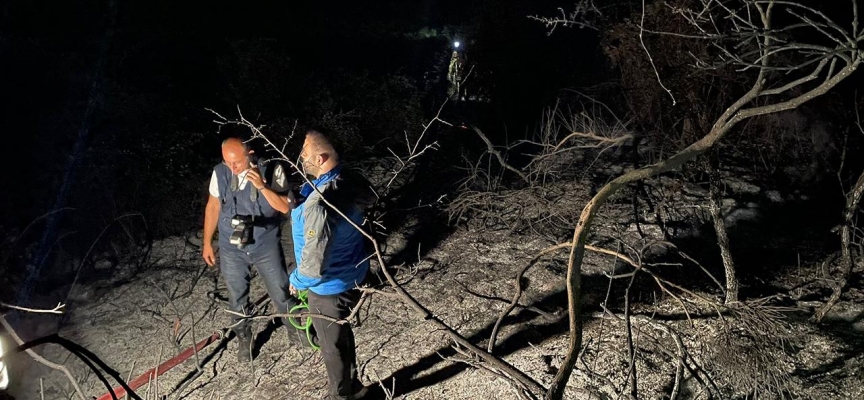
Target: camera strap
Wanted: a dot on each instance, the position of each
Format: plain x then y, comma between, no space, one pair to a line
234,185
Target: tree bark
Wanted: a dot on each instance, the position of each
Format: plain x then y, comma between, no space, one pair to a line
715,202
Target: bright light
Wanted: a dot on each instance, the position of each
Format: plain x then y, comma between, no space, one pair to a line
456,44
4,374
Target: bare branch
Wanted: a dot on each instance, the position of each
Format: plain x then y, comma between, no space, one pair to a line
798,100
733,114
828,21
798,82
580,17
820,27
651,59
853,198
491,149
58,309
493,337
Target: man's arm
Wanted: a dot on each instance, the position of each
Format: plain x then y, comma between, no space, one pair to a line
275,193
279,202
211,218
317,232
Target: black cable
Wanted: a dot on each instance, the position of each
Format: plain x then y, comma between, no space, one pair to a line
86,356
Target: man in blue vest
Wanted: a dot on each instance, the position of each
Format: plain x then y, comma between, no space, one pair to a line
331,256
247,211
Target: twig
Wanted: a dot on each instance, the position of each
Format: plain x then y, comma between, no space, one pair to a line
377,291
363,297
472,360
180,319
651,59
631,351
679,366
852,200
129,377
86,356
491,149
58,309
524,380
682,356
578,17
518,283
93,245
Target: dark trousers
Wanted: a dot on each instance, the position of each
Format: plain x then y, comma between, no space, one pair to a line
337,342
236,264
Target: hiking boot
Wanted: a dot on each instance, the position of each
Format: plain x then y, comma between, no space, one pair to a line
244,344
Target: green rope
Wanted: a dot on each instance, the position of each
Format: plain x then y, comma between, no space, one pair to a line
303,296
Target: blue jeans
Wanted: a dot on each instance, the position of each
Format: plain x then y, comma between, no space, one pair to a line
236,264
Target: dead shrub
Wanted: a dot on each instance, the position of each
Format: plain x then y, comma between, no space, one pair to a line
567,145
540,209
752,357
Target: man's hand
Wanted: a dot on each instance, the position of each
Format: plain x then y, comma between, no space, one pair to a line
292,290
208,255
254,177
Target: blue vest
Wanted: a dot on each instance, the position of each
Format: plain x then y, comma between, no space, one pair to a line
346,262
243,202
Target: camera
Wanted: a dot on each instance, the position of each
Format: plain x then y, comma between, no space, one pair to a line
242,233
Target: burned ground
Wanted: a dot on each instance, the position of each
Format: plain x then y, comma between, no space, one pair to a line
465,276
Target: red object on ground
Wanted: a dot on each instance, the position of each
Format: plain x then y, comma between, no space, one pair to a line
156,371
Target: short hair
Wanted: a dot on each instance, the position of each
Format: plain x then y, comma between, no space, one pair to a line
321,144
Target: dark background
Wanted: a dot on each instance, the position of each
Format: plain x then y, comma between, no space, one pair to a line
111,99
168,61
104,103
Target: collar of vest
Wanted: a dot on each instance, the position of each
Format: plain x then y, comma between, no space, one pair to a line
328,176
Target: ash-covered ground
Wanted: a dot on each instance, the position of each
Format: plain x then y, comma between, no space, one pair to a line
136,318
